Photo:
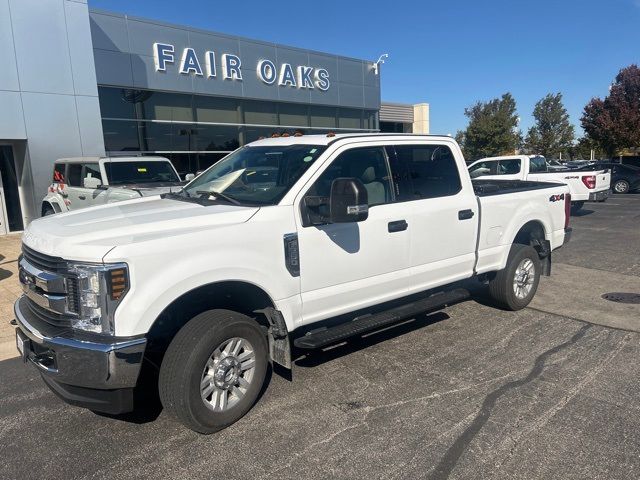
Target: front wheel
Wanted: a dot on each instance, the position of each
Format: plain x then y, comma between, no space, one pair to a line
621,186
214,370
515,286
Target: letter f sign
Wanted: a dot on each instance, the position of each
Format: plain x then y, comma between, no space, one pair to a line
162,54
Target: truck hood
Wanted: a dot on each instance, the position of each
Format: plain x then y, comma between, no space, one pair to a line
88,234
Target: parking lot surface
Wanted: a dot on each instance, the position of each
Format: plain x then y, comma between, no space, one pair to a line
469,392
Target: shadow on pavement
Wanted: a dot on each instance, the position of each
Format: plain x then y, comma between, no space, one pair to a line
582,213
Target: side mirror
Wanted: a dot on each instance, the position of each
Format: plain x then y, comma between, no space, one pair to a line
92,182
348,201
189,176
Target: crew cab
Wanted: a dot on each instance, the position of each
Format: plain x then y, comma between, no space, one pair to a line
83,182
287,242
592,185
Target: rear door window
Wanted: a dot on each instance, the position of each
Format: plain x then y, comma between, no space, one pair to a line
537,165
427,171
509,167
74,173
483,168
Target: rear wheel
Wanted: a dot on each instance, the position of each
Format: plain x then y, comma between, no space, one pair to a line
621,186
515,286
214,370
576,206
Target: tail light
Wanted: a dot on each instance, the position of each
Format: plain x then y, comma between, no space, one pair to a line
589,181
567,209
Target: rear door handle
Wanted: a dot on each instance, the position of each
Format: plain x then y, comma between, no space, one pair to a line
397,226
465,214
82,197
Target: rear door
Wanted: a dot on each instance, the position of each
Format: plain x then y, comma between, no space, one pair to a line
442,212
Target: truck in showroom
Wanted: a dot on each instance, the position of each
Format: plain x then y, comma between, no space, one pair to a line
593,185
82,182
287,245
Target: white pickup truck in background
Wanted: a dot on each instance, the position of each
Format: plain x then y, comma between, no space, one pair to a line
584,186
82,182
301,241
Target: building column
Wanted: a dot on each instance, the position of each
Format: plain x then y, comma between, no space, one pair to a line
421,118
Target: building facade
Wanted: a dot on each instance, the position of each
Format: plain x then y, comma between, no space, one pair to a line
108,84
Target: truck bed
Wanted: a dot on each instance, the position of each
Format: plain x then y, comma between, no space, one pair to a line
485,188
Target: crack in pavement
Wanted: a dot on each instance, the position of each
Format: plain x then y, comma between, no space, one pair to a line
455,451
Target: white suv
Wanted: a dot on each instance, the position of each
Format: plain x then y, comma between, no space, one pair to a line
82,182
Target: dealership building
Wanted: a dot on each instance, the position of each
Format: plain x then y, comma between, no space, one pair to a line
82,82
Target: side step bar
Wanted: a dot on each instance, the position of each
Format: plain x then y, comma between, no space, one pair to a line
366,323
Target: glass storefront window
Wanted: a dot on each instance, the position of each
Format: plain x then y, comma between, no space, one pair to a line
166,106
323,117
120,136
117,102
156,137
292,114
370,119
216,109
214,138
260,113
349,118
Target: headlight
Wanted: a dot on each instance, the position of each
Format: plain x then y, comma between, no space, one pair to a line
100,290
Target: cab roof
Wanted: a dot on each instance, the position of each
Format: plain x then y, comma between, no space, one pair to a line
329,139
132,158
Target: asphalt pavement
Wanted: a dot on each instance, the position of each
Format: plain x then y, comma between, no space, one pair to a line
470,392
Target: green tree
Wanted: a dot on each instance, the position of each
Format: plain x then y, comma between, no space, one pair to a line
492,129
552,133
582,149
614,123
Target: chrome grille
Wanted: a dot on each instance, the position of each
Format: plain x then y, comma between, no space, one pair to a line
51,292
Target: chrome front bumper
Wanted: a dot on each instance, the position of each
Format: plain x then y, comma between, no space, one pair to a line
62,356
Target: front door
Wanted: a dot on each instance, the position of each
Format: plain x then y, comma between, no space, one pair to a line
347,266
78,195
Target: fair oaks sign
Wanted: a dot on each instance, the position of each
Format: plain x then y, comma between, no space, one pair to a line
285,74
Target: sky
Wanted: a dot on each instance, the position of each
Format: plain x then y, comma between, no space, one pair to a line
448,53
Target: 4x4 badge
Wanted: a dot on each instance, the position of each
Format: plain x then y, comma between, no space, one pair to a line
556,198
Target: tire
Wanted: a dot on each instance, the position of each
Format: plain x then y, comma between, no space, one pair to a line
47,210
502,288
621,186
189,362
576,206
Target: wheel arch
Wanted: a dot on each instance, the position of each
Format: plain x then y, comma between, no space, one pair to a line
237,295
50,203
533,233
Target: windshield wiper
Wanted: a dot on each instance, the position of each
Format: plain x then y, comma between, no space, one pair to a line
219,195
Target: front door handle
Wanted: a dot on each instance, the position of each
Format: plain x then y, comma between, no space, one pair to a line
465,214
397,226
82,197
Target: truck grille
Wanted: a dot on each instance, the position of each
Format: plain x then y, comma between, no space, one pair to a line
42,261
51,292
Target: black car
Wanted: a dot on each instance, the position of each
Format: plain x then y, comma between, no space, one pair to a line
624,178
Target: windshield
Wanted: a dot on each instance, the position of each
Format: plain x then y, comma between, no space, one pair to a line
127,173
256,175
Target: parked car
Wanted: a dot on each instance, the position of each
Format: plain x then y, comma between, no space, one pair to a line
554,165
340,235
89,181
589,185
624,178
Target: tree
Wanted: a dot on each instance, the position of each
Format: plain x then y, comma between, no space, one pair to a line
492,130
582,149
552,132
614,123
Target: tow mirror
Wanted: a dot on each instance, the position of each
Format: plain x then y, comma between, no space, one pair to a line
348,201
189,176
92,182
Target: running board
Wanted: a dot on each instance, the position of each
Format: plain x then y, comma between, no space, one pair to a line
366,323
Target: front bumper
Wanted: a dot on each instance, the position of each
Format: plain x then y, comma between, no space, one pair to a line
599,196
78,366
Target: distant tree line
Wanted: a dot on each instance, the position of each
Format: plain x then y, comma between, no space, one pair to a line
611,125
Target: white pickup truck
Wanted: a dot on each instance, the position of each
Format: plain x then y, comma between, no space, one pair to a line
584,186
287,242
82,182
